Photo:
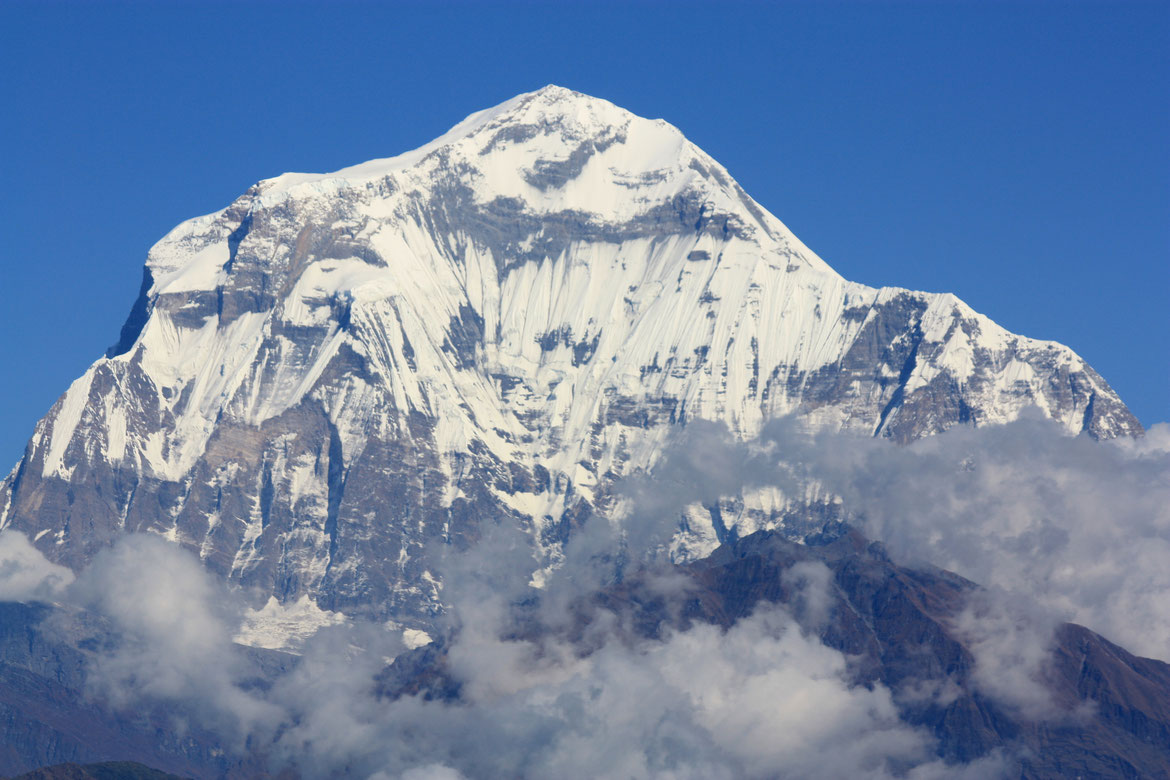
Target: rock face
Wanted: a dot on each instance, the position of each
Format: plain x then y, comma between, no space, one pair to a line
337,372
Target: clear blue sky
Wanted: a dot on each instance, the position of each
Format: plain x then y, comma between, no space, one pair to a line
1017,155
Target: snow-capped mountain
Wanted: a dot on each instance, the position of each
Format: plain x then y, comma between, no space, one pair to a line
320,381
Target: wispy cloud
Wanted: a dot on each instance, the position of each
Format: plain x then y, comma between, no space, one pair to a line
25,574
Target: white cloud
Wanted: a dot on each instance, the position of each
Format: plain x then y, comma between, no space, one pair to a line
1081,527
1011,640
175,622
1061,526
762,699
26,574
759,700
813,582
431,772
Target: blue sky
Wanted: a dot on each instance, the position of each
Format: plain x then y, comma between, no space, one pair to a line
1014,154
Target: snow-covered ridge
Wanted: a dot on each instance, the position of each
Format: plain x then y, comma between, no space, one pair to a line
337,369
553,150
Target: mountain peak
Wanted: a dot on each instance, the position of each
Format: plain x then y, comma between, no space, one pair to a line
545,157
559,103
336,370
552,126
552,94
560,93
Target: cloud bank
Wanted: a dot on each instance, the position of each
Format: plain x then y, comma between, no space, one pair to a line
1063,527
1080,527
763,699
